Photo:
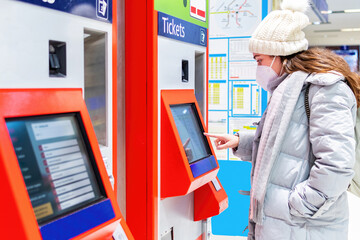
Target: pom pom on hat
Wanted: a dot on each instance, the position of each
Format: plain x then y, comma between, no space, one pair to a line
280,33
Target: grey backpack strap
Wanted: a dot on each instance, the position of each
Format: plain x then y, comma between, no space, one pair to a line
307,108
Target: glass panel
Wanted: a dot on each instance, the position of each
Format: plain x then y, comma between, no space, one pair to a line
57,164
191,132
95,82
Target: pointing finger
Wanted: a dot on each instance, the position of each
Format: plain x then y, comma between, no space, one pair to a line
213,135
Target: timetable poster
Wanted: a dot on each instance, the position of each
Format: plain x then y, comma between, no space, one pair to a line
236,101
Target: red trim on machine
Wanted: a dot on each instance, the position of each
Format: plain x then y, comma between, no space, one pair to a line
141,119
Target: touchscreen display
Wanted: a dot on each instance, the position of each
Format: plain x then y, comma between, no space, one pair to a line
191,131
56,162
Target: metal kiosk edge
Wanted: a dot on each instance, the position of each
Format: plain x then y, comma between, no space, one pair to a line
96,219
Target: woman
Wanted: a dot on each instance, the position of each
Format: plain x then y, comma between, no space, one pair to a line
301,167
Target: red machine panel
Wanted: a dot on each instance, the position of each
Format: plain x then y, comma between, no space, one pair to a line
187,158
210,200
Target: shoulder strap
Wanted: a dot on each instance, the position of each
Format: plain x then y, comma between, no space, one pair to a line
307,108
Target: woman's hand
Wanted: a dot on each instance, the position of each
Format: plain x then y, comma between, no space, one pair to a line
224,141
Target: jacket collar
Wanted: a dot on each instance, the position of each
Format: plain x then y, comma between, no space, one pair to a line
325,79
272,85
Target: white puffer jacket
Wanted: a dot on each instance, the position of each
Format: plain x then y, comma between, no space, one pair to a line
306,195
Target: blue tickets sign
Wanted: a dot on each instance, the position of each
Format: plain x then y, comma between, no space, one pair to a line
175,28
95,9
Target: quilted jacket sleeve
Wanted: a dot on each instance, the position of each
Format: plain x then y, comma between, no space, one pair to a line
244,149
333,109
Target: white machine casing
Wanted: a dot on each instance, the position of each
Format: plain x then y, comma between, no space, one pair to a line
26,30
176,213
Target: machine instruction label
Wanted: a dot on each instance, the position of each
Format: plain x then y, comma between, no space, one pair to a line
100,10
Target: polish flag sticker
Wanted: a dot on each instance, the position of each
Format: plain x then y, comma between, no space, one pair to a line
198,9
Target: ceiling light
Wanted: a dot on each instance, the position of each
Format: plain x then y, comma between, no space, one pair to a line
329,30
326,12
352,11
350,30
341,11
318,23
339,30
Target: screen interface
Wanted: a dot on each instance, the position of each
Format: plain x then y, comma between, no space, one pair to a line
191,132
55,161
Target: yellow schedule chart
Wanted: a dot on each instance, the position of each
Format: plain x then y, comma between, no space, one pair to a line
245,97
238,97
214,93
217,95
218,66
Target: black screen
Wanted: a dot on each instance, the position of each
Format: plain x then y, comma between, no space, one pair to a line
57,164
191,131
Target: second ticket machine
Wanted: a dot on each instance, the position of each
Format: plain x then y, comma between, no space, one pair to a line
187,161
170,162
53,179
57,153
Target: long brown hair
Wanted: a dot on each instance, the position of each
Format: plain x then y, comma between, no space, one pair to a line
321,60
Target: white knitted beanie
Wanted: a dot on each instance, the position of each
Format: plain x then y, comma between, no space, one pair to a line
280,33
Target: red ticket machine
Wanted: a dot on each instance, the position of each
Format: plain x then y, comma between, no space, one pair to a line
188,162
54,182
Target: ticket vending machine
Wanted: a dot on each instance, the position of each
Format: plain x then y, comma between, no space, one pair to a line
187,158
64,45
53,179
170,162
188,164
188,168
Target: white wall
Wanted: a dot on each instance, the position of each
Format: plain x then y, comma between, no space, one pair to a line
354,209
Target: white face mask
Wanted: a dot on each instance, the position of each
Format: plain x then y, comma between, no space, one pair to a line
265,74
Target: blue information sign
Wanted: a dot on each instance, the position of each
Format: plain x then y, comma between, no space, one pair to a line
175,28
95,9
